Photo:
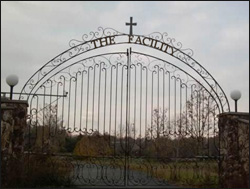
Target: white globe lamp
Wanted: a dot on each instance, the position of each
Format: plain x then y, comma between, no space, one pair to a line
235,95
11,80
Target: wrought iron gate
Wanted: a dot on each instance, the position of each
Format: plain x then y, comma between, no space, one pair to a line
140,120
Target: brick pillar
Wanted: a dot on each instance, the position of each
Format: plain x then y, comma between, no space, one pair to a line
234,148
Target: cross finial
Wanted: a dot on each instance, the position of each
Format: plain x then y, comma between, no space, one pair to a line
131,24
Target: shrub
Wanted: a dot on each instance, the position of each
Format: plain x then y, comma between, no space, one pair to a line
35,171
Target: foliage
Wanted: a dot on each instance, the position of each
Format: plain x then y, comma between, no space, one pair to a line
70,142
93,145
45,132
34,171
200,114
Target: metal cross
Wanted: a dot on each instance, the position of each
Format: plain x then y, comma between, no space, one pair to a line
131,24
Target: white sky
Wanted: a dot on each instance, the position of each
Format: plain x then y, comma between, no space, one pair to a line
33,33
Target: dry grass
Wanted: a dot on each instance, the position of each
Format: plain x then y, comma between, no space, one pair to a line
188,174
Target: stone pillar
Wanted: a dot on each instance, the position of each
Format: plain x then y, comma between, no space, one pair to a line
13,125
234,150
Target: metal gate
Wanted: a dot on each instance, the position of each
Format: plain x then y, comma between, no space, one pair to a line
131,118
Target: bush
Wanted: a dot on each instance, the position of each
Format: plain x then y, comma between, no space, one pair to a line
94,145
35,171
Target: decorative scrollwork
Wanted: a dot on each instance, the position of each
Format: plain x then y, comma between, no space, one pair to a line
101,32
163,37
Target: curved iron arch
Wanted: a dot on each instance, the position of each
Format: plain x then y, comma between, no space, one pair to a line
83,47
139,53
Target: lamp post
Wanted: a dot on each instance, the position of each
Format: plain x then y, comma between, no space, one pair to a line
11,80
235,95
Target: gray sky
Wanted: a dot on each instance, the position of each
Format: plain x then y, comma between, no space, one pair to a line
33,33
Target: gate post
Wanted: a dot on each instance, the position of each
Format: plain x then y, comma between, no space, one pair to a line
234,150
13,125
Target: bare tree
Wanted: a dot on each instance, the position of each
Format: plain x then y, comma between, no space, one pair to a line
45,132
193,132
159,125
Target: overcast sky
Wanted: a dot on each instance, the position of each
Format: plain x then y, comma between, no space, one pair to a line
33,33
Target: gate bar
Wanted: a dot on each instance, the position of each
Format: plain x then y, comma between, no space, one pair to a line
64,95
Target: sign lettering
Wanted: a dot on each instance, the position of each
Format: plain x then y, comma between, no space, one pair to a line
141,40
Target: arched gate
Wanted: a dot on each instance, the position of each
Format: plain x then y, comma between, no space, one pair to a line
132,118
